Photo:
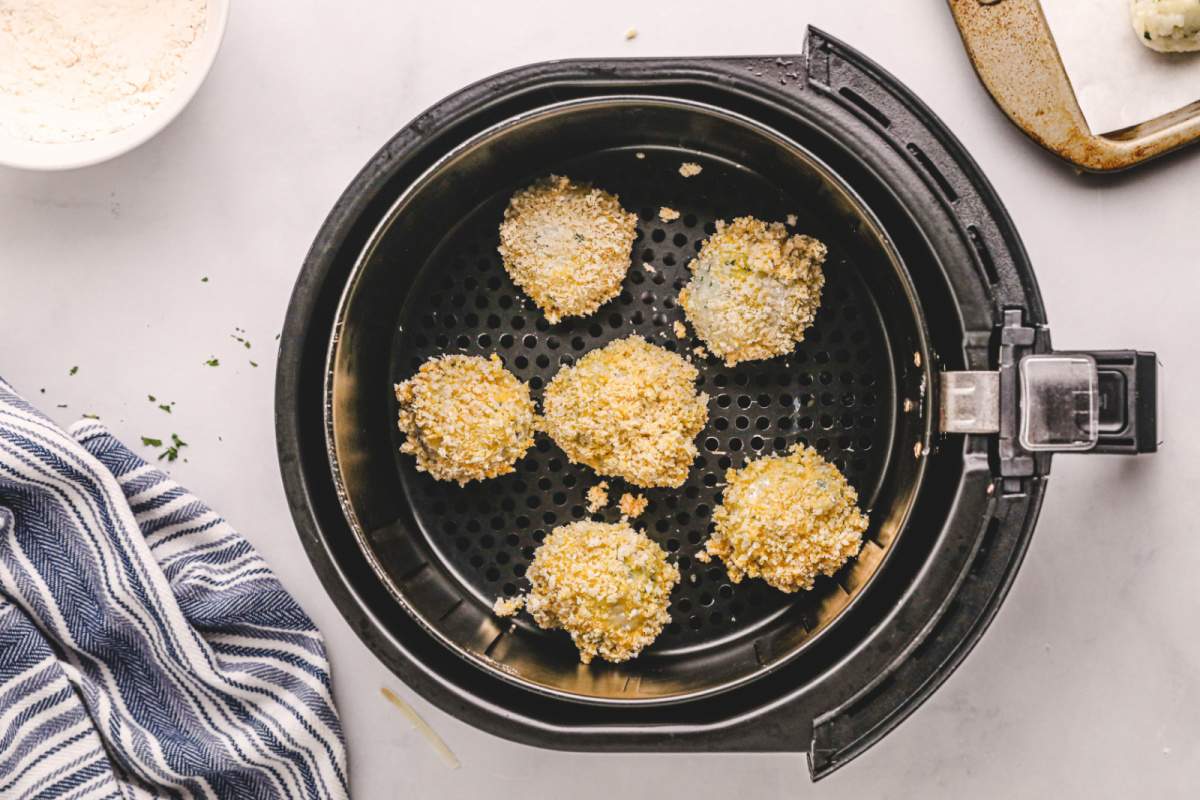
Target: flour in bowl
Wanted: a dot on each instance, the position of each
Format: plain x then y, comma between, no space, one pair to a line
76,70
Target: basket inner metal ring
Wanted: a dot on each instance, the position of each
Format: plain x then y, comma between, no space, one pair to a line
431,282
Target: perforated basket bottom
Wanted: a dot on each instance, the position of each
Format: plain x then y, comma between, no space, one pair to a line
835,392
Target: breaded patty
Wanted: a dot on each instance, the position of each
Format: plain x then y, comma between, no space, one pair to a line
787,519
754,290
629,409
466,418
605,584
567,245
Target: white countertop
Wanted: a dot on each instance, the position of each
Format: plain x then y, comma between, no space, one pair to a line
1087,683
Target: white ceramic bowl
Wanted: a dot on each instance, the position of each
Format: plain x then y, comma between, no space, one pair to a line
69,155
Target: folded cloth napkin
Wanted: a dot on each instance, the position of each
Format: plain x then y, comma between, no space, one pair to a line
146,650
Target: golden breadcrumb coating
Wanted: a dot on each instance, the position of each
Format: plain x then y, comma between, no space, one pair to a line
605,584
754,290
668,214
466,418
787,519
690,169
567,245
628,409
680,329
507,606
597,497
632,505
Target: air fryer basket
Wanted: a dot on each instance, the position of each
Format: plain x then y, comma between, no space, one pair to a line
431,282
947,427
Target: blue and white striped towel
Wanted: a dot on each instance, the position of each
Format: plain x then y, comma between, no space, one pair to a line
146,650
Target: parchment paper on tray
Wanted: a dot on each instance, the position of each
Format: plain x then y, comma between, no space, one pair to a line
1117,81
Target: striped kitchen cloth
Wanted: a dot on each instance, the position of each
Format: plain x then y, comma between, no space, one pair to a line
146,650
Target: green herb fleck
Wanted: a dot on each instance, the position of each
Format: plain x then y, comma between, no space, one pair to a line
254,363
241,339
91,416
1146,35
204,279
172,451
61,405
73,370
213,362
167,406
152,398
150,441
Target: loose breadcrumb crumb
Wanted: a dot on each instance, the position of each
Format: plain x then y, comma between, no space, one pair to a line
787,519
702,556
631,506
648,267
507,606
597,497
680,329
754,289
605,584
667,214
631,34
567,245
629,409
699,351
690,168
465,418
640,155
792,219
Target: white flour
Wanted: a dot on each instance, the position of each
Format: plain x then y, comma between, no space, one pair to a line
74,70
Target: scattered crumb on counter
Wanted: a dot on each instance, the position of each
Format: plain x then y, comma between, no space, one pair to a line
680,330
702,556
631,34
689,168
422,727
640,155
648,267
908,404
917,359
632,506
507,606
668,214
597,497
792,219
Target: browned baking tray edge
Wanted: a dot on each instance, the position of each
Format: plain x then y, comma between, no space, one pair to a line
1013,52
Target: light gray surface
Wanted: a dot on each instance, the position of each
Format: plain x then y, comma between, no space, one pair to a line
1086,684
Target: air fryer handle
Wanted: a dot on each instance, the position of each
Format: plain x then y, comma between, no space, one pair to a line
1101,401
1127,399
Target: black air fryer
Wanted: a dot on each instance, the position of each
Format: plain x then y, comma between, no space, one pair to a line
928,378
